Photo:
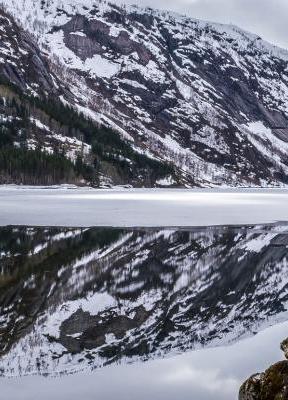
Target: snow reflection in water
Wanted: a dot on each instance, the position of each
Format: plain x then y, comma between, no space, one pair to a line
78,299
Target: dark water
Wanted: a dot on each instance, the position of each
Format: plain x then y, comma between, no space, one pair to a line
77,300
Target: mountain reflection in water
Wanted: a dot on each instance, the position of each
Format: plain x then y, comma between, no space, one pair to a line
72,299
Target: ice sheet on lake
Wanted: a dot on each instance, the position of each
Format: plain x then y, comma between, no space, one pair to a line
140,207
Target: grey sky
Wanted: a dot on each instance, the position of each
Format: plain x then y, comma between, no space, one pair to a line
268,18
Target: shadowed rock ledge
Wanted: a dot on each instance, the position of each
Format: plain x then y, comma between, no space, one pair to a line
270,385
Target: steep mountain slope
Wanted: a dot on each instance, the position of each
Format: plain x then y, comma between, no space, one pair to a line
77,298
203,96
21,60
43,140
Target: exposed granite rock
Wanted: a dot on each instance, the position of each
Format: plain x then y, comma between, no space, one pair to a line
284,347
21,61
250,390
270,385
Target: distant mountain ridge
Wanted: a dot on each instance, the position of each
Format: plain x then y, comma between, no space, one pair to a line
201,97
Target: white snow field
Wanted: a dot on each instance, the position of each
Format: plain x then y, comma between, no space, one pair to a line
71,207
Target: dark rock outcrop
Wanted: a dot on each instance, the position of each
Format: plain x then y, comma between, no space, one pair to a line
270,385
22,62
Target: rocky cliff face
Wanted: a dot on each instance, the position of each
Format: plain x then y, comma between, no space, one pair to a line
75,298
21,60
25,80
44,140
203,96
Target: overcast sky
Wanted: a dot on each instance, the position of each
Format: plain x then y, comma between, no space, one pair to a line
268,18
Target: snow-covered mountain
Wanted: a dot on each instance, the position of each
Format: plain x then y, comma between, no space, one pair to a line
84,298
202,96
43,140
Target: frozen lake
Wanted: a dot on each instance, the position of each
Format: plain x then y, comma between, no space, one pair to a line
146,208
204,305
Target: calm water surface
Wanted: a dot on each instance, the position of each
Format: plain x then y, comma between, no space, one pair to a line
140,313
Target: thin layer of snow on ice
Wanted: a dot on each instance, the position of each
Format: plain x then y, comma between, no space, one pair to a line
141,207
